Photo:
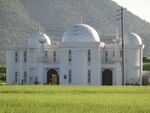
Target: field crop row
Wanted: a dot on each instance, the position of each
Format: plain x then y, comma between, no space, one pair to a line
74,99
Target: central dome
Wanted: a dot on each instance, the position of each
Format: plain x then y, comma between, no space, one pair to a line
81,33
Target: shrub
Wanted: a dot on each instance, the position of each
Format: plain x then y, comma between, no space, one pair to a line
146,59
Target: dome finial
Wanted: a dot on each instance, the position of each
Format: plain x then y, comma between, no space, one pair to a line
39,27
81,19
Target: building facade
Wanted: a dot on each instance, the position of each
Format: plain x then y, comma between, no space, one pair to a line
79,59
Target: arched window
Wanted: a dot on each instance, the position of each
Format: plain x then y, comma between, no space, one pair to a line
89,76
16,77
69,55
106,56
25,77
16,56
89,55
54,56
46,53
25,56
69,76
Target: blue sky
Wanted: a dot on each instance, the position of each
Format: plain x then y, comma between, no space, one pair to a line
140,8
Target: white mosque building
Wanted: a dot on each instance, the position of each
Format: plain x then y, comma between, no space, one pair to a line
79,59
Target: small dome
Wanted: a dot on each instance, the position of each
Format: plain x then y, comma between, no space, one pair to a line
35,39
132,39
81,33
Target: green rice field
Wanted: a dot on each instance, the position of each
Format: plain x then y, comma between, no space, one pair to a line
74,99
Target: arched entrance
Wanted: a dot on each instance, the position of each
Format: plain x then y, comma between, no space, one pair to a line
107,77
52,77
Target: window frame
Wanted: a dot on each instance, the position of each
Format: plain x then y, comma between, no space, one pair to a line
25,77
25,56
46,53
89,76
89,55
69,76
54,56
16,77
16,56
69,56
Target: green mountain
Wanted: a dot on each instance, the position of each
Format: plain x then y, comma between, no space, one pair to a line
57,15
18,19
15,24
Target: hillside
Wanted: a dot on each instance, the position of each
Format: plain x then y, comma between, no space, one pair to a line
57,15
15,24
17,19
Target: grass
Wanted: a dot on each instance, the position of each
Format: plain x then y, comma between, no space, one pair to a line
146,66
74,99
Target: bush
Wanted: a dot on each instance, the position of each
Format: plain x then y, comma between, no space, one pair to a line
1,81
146,59
3,77
146,66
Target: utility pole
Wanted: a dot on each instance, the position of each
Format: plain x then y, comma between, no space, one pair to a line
122,45
122,35
81,19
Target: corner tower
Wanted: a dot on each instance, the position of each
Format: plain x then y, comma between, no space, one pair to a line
133,58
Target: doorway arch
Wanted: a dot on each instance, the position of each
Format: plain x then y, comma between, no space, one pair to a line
52,77
107,77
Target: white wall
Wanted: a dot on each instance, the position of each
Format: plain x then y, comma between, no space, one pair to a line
80,65
132,65
95,66
64,65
